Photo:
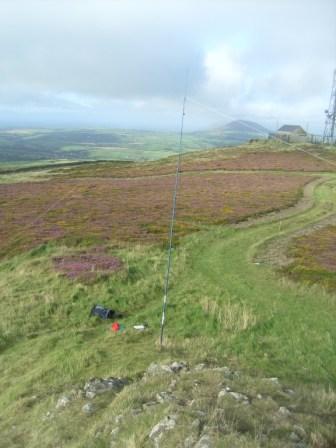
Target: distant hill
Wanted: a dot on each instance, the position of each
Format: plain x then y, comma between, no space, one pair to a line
233,133
245,127
31,145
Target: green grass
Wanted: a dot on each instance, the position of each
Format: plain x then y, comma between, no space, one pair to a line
223,309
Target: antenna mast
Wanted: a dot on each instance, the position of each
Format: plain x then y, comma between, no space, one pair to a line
173,218
329,130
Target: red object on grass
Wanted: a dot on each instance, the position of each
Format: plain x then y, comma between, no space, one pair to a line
115,326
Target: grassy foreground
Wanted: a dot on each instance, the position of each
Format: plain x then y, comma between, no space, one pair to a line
223,309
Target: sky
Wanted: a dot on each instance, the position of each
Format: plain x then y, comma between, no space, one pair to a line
126,63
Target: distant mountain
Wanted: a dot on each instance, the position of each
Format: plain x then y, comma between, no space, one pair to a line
233,133
245,127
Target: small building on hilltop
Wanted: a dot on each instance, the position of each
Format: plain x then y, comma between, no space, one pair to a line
292,129
291,133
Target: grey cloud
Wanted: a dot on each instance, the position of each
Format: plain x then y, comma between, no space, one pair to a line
125,60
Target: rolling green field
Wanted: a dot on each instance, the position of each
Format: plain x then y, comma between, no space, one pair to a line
225,309
26,147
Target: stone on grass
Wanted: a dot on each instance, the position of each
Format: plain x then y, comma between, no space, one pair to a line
172,384
190,442
273,380
196,424
158,369
284,412
48,416
118,419
164,396
222,393
235,395
200,366
88,408
161,369
300,431
294,437
204,442
90,394
166,424
97,386
62,402
238,396
178,366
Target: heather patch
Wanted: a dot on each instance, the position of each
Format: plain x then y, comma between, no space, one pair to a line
222,159
88,265
135,210
314,257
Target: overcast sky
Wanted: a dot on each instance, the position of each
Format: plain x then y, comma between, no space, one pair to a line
123,63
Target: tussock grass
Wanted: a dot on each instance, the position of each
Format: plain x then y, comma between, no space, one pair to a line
230,316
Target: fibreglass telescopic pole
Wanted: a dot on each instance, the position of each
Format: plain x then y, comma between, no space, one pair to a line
172,222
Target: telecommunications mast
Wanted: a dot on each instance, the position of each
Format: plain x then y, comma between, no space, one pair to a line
329,130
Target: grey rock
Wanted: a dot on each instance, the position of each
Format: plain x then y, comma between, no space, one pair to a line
88,408
164,396
63,402
196,424
97,386
158,369
294,437
284,412
166,424
49,415
178,366
223,393
300,431
199,367
273,380
204,442
189,442
236,395
90,394
161,369
136,411
289,391
118,419
172,385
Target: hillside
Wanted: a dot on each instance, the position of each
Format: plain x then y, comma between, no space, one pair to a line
28,146
249,355
18,147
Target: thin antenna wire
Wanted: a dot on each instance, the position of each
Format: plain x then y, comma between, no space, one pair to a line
173,216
